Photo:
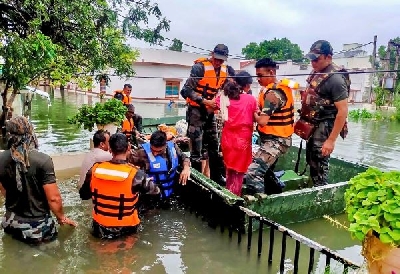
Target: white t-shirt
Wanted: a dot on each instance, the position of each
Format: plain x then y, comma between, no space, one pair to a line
93,156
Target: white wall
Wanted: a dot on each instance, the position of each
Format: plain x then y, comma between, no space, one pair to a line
149,87
175,57
160,64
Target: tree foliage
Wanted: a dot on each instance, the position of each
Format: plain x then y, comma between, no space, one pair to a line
65,39
382,53
382,50
176,45
277,49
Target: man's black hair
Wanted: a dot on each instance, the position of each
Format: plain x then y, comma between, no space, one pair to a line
265,63
119,143
99,137
127,86
158,139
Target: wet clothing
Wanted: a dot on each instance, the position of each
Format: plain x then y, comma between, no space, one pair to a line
202,128
334,89
29,230
28,214
140,184
271,148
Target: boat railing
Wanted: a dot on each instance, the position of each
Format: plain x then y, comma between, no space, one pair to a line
299,239
221,208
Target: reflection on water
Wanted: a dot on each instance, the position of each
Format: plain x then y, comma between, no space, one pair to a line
171,241
56,135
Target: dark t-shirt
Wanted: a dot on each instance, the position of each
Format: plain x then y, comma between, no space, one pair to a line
32,201
334,88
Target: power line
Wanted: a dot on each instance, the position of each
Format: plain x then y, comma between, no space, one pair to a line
253,76
360,46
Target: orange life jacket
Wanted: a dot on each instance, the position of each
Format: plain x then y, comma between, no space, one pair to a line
208,86
281,121
128,126
113,200
126,100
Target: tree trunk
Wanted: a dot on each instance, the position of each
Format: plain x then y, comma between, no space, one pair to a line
4,109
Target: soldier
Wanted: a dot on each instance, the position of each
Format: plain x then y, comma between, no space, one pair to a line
275,120
326,96
207,77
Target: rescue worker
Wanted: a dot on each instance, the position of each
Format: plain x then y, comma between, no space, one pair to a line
114,188
207,77
325,107
275,120
128,125
160,160
124,95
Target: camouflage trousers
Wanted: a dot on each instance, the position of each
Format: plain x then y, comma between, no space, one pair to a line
319,165
265,159
30,231
202,132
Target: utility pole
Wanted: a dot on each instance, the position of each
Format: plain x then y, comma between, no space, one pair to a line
373,68
386,63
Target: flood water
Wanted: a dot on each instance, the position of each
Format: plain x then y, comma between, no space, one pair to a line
173,241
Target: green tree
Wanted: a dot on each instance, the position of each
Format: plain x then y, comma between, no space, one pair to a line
176,45
382,50
66,39
277,49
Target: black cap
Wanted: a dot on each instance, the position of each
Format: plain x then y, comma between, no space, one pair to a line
221,52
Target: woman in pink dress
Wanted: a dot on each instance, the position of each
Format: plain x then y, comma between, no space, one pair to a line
237,110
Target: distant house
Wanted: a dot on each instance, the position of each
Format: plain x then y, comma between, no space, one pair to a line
351,57
160,74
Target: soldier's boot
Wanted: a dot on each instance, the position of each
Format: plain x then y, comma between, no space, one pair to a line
196,165
272,185
217,170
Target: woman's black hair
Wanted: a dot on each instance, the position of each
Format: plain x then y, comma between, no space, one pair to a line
232,90
243,78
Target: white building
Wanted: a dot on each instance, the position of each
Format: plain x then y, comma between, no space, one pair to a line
164,72
352,60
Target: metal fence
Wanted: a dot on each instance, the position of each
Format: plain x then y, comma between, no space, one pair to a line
235,217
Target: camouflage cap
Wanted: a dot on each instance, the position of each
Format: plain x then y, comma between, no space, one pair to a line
319,47
221,52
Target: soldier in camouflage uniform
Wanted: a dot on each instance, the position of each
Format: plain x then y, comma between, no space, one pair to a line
28,182
331,118
207,76
275,127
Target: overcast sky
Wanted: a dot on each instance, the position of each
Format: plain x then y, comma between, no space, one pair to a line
236,23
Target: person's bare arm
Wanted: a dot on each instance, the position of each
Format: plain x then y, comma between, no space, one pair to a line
55,203
52,193
340,120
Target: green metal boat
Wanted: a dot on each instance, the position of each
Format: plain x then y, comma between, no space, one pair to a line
299,202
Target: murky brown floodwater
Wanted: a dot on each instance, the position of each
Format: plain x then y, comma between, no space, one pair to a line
172,241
